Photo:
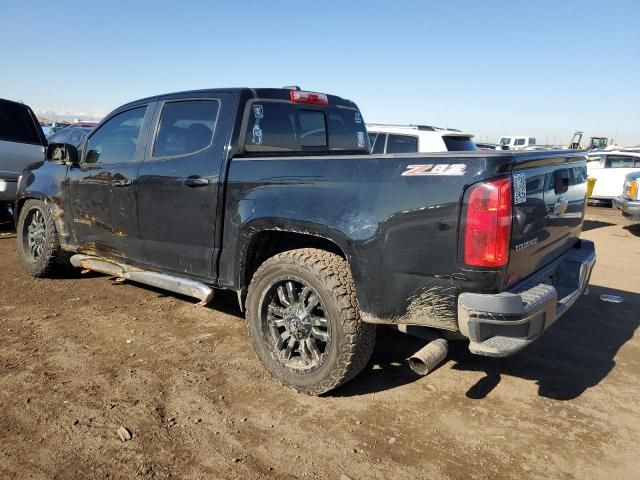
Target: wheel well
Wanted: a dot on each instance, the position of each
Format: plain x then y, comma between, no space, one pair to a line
266,244
18,206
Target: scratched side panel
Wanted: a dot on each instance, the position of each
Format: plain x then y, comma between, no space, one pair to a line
45,181
399,233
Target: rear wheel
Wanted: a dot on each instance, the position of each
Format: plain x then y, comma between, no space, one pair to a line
38,242
304,322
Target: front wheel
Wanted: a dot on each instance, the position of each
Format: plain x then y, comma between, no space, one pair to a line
304,322
38,242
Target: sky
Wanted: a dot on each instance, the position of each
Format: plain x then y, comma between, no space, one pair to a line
490,68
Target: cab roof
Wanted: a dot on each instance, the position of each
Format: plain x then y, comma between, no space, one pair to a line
266,93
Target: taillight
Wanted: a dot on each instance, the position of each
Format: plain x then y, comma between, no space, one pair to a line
488,224
299,96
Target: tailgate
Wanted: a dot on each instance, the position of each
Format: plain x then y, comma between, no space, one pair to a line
549,200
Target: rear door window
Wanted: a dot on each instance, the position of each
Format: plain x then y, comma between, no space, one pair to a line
459,144
402,144
17,125
186,127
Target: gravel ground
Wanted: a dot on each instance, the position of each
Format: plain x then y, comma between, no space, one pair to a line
83,356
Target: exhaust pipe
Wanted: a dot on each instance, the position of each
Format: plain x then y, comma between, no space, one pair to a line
427,359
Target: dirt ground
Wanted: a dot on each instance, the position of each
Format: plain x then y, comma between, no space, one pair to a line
82,356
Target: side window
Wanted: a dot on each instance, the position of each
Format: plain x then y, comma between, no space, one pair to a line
532,141
619,161
519,141
185,127
116,140
593,161
402,144
16,124
378,146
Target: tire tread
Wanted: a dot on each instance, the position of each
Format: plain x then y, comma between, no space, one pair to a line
356,347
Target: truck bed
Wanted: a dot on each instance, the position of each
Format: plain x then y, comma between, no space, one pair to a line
396,218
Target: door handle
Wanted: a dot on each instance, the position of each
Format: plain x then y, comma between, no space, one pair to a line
195,181
122,183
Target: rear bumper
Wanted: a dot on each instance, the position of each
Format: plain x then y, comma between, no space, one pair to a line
629,208
499,325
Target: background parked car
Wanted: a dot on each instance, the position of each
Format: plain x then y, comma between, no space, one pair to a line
609,169
516,142
72,135
629,201
417,138
21,143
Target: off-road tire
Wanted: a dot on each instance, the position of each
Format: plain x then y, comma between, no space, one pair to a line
352,340
53,258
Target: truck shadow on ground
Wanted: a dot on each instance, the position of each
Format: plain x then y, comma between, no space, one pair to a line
633,229
593,224
577,353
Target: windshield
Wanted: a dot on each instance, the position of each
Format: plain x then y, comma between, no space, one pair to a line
505,140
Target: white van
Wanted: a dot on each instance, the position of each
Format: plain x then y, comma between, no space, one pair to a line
516,142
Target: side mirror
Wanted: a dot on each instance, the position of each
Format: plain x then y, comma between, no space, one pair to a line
63,152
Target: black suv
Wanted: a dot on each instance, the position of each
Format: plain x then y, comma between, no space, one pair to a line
21,143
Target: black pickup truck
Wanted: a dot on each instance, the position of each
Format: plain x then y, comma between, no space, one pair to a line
272,193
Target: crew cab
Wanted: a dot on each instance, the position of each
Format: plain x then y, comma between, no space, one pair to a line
273,194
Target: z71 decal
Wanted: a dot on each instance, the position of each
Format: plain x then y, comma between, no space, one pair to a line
437,169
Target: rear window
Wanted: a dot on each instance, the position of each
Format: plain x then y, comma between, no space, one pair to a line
280,126
16,124
402,144
459,144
